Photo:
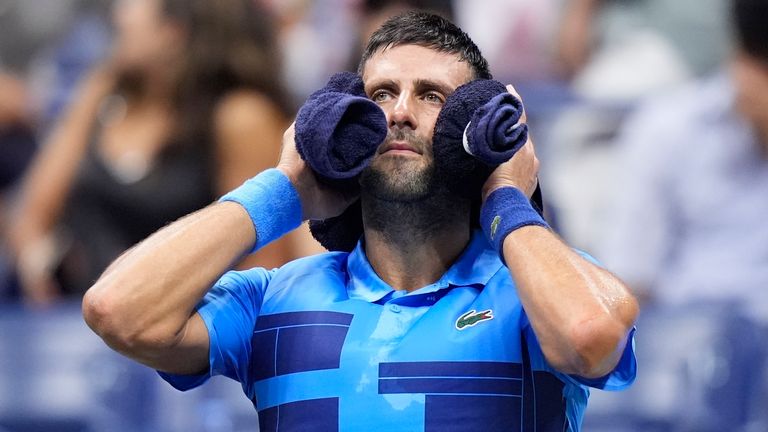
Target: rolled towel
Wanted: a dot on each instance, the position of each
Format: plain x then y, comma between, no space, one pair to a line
495,133
338,130
478,129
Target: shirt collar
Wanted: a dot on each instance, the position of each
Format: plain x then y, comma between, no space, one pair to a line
475,266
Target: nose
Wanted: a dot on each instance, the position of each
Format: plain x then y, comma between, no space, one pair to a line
402,114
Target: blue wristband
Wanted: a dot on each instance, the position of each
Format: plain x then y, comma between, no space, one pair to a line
272,203
505,210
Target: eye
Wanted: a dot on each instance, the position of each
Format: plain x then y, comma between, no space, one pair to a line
380,96
434,97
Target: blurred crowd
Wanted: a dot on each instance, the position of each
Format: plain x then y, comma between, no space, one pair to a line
650,118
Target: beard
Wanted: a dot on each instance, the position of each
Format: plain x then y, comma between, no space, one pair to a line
398,178
402,197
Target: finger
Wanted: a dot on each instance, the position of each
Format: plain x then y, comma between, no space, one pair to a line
511,89
291,131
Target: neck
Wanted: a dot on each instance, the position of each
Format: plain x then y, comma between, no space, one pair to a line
411,245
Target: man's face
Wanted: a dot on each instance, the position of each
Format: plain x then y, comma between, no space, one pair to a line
410,83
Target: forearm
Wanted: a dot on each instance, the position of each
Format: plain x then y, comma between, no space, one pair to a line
49,179
146,297
580,313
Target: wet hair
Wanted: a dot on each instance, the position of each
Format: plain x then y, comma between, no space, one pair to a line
750,26
430,31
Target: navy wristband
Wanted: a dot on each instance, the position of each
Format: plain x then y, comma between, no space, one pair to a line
505,210
272,203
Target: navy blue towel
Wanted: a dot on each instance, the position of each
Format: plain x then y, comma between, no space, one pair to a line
477,130
494,134
338,130
485,118
340,233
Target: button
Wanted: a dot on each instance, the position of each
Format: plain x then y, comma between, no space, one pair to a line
394,308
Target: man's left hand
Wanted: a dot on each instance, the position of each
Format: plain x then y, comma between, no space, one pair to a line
521,171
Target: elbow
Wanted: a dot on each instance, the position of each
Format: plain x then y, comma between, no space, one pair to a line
597,344
120,328
102,314
597,348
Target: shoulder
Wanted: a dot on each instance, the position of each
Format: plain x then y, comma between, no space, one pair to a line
242,108
319,273
246,283
325,269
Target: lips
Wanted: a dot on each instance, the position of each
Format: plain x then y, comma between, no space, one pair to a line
399,146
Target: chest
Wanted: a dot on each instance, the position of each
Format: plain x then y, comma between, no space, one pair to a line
454,361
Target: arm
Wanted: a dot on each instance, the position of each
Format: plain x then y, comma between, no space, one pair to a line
144,303
47,185
581,314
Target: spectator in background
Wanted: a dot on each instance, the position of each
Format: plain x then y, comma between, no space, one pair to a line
517,37
188,107
58,66
317,33
17,146
617,53
690,213
606,44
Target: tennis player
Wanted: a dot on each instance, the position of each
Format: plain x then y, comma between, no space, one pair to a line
427,325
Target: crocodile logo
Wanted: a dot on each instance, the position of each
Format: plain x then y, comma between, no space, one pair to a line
472,318
495,226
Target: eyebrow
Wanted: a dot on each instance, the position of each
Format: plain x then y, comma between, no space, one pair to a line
385,83
428,84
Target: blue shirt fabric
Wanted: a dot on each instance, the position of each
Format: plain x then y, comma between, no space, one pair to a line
323,344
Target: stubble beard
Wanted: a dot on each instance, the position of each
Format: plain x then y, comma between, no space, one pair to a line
401,198
395,178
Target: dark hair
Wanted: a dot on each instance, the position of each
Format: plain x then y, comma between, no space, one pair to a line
750,23
430,31
230,45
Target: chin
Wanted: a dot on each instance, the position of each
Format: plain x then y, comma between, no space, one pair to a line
402,183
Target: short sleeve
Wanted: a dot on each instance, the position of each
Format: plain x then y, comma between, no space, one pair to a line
229,311
621,377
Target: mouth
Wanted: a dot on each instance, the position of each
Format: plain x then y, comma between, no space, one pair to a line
399,147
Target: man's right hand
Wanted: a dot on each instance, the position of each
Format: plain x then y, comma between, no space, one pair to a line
318,201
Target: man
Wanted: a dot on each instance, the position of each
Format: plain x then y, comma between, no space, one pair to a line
689,224
421,327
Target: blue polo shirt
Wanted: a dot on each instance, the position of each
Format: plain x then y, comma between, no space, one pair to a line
323,344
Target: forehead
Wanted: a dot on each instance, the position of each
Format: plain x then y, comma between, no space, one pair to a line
408,63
